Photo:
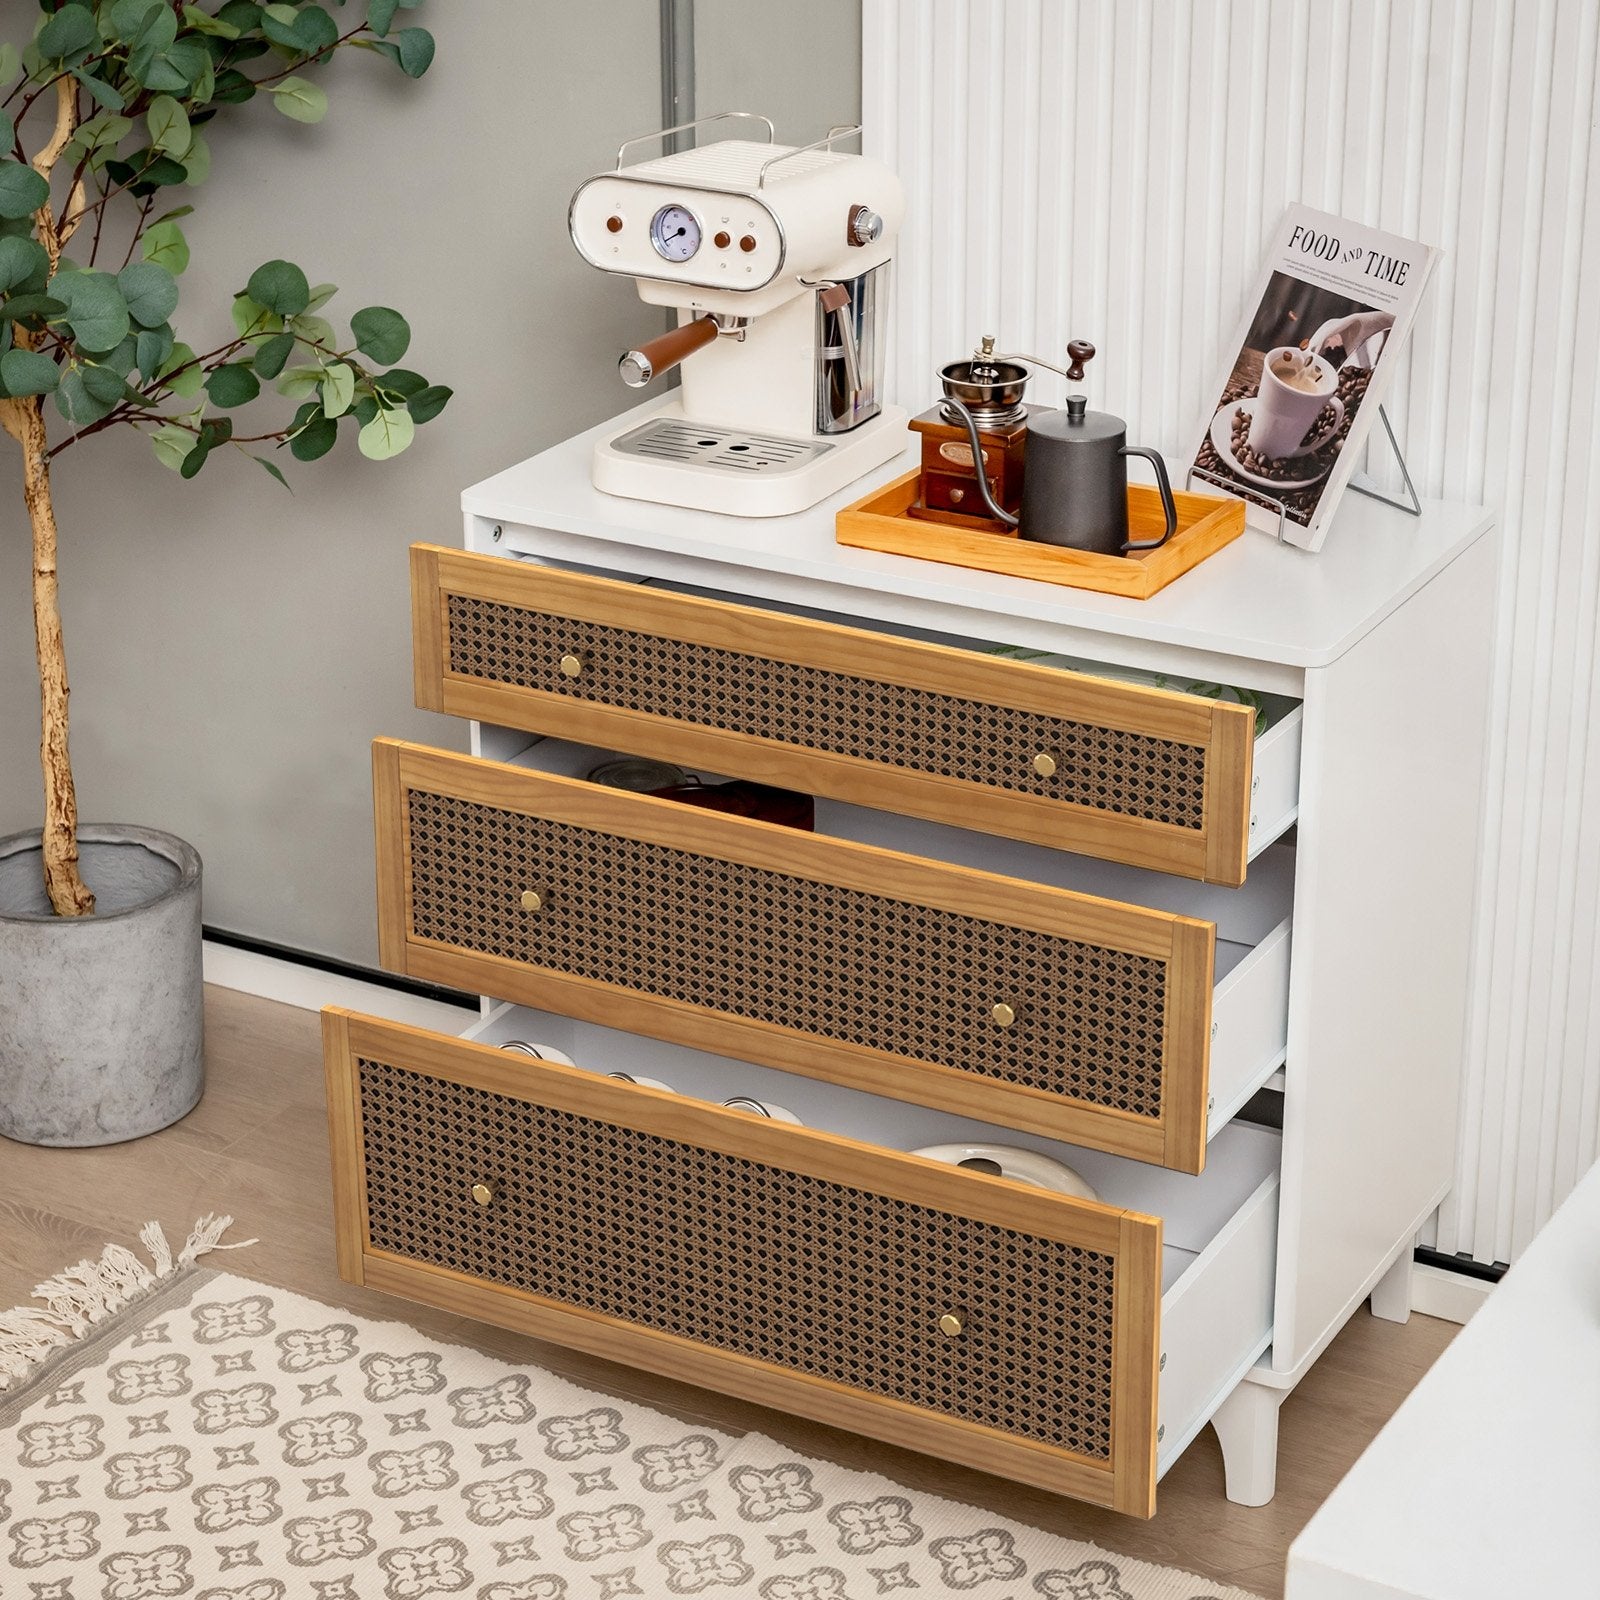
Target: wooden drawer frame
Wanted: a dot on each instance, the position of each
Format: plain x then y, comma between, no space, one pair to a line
1176,1139
1216,852
1126,1482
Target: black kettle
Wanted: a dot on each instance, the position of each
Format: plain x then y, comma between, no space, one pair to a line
1074,474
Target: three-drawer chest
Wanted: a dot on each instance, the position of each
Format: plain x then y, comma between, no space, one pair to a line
1063,894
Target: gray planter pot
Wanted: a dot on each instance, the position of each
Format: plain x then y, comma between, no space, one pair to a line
100,1016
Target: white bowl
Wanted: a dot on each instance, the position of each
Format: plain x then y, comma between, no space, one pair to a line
1021,1166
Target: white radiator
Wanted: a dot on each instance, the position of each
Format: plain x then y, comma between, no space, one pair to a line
1078,167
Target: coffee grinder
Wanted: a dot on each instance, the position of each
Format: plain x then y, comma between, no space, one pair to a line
776,258
991,387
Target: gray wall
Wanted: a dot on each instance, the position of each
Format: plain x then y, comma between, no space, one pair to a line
233,648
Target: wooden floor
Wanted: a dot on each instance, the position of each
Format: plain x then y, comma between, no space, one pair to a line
257,1147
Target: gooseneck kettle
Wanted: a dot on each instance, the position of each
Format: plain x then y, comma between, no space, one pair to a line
1074,473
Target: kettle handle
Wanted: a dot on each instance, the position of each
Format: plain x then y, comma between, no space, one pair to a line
1167,503
977,463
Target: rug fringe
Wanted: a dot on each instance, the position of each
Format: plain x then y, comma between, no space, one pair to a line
78,1297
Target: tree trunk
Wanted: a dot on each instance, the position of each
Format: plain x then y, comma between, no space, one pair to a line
68,893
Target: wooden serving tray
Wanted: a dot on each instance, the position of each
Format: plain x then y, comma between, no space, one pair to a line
1206,523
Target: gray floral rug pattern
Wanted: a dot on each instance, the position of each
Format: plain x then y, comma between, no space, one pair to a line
220,1440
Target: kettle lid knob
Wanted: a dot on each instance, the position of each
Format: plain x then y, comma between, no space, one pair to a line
1079,351
1077,405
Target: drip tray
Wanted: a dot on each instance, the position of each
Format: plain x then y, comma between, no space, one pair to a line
719,449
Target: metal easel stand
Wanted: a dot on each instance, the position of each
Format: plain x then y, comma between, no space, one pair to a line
1412,505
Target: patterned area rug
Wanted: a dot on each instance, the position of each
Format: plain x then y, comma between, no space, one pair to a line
172,1431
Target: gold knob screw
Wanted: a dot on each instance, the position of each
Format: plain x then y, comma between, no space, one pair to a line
483,1193
1003,1014
950,1325
571,666
1044,765
532,900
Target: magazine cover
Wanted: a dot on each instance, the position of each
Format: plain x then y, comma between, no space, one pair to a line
1320,343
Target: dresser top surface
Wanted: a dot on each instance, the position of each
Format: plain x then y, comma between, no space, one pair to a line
1257,599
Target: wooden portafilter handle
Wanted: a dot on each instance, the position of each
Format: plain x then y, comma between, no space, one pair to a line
661,354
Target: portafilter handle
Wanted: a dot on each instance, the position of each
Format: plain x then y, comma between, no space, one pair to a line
661,354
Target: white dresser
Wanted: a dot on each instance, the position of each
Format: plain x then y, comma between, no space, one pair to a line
1486,1482
1052,900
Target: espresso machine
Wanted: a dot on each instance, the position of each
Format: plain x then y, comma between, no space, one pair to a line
776,259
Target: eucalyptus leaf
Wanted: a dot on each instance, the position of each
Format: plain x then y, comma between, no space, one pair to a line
427,403
338,389
314,440
401,383
197,163
98,90
416,51
381,333
195,460
121,360
299,100
166,245
171,444
386,435
153,348
299,383
280,286
272,354
150,290
28,372
10,62
130,18
76,404
321,294
22,190
24,266
274,469
232,87
20,307
103,383
251,319
204,22
96,311
314,331
181,371
232,385
380,15
169,126
243,15
68,33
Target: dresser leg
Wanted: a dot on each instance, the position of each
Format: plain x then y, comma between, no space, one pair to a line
1391,1294
1247,1429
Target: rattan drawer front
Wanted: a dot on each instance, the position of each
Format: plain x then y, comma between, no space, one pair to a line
1019,1004
1115,770
764,1260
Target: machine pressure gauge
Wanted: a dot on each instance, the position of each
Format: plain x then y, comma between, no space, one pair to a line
675,233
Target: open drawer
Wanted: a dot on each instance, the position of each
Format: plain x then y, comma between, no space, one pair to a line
1074,1015
1005,1326
1119,770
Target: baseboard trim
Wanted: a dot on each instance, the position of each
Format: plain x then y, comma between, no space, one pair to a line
296,983
1450,1296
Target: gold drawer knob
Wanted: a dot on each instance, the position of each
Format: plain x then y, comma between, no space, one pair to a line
532,900
483,1193
950,1325
1003,1014
571,666
1044,765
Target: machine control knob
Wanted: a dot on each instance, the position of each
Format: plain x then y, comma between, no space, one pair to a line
866,226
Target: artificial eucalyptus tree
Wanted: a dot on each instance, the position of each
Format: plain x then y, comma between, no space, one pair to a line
103,127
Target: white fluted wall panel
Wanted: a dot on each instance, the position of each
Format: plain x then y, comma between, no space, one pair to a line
1114,170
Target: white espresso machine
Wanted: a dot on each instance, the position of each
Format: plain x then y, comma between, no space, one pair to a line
777,260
